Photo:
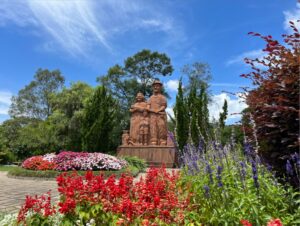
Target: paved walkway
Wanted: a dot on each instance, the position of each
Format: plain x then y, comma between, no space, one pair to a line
13,191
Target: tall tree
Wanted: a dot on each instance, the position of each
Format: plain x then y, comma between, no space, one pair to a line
274,102
222,119
203,113
33,101
68,107
182,118
99,121
223,115
198,74
137,74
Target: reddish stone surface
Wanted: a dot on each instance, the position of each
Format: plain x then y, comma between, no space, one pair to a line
147,138
148,123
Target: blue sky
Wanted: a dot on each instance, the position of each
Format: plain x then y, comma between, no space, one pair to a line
84,38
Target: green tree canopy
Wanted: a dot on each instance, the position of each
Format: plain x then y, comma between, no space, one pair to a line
137,74
99,121
33,101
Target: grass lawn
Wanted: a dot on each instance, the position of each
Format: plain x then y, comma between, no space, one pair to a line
7,168
21,172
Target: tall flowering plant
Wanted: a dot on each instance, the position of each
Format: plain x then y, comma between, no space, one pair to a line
229,184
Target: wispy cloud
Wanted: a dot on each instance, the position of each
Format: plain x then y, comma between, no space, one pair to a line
249,54
292,15
227,85
5,101
235,106
77,27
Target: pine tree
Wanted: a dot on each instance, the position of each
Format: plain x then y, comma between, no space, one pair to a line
222,119
182,122
223,115
194,130
99,121
203,113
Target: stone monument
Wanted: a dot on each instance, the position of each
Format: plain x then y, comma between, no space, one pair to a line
148,135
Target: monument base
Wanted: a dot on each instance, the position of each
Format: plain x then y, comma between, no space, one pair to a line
153,155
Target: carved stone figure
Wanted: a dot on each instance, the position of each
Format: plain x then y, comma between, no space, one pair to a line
125,137
144,129
157,105
147,138
137,110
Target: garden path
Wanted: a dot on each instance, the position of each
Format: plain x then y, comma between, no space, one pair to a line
13,191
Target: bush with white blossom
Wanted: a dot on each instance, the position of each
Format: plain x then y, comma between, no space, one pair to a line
68,160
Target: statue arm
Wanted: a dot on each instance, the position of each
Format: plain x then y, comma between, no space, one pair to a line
163,105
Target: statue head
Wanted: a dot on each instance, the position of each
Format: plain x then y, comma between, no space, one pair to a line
157,86
140,97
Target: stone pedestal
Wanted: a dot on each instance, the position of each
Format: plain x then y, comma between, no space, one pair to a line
153,155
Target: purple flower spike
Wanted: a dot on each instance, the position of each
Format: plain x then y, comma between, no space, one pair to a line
206,189
289,168
219,177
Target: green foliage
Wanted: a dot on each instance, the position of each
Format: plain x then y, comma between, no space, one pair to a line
223,194
99,120
137,74
198,74
11,135
195,135
51,174
181,117
143,67
33,101
223,115
222,119
92,215
203,113
7,167
140,164
7,157
68,115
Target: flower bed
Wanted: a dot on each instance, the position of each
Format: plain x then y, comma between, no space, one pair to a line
68,160
90,199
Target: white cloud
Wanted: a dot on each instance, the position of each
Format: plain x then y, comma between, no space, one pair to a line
170,111
172,85
77,26
292,15
235,106
5,101
250,54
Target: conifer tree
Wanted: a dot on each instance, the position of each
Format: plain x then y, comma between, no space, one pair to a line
203,113
222,119
99,121
182,122
223,115
194,130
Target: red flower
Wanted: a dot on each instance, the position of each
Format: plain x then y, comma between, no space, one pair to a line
275,222
245,223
